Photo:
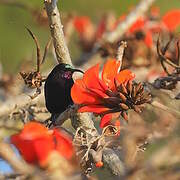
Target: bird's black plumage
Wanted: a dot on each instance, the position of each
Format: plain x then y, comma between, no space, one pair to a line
58,88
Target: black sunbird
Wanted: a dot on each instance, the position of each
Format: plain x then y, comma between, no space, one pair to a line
58,89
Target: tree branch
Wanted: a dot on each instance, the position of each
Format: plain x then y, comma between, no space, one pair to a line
18,102
56,28
18,165
62,53
165,108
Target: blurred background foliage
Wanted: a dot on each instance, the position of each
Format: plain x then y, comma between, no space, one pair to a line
15,43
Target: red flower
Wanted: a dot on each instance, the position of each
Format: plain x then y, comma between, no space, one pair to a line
82,23
171,19
148,39
35,143
92,92
101,28
63,144
137,25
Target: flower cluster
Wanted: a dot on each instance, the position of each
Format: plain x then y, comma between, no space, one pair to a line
35,143
112,93
82,23
147,24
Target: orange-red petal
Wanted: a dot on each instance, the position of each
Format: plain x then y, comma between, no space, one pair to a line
63,144
91,79
110,71
99,93
105,120
34,151
93,108
101,29
80,95
33,130
172,19
137,25
25,148
81,23
148,39
124,76
42,148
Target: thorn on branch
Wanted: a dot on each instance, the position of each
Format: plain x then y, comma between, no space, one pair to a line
33,79
39,58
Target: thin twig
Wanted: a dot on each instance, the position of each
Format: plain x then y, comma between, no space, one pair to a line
38,49
8,154
68,113
18,164
19,102
13,176
4,126
178,52
163,59
165,108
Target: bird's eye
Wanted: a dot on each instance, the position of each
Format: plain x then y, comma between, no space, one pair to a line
67,75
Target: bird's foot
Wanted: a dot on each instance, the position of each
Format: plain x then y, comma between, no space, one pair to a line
50,122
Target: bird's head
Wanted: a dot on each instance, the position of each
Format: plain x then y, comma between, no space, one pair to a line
66,70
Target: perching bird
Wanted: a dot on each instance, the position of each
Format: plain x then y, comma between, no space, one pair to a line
58,89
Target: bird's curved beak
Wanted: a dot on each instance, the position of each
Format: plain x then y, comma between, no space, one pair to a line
77,70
